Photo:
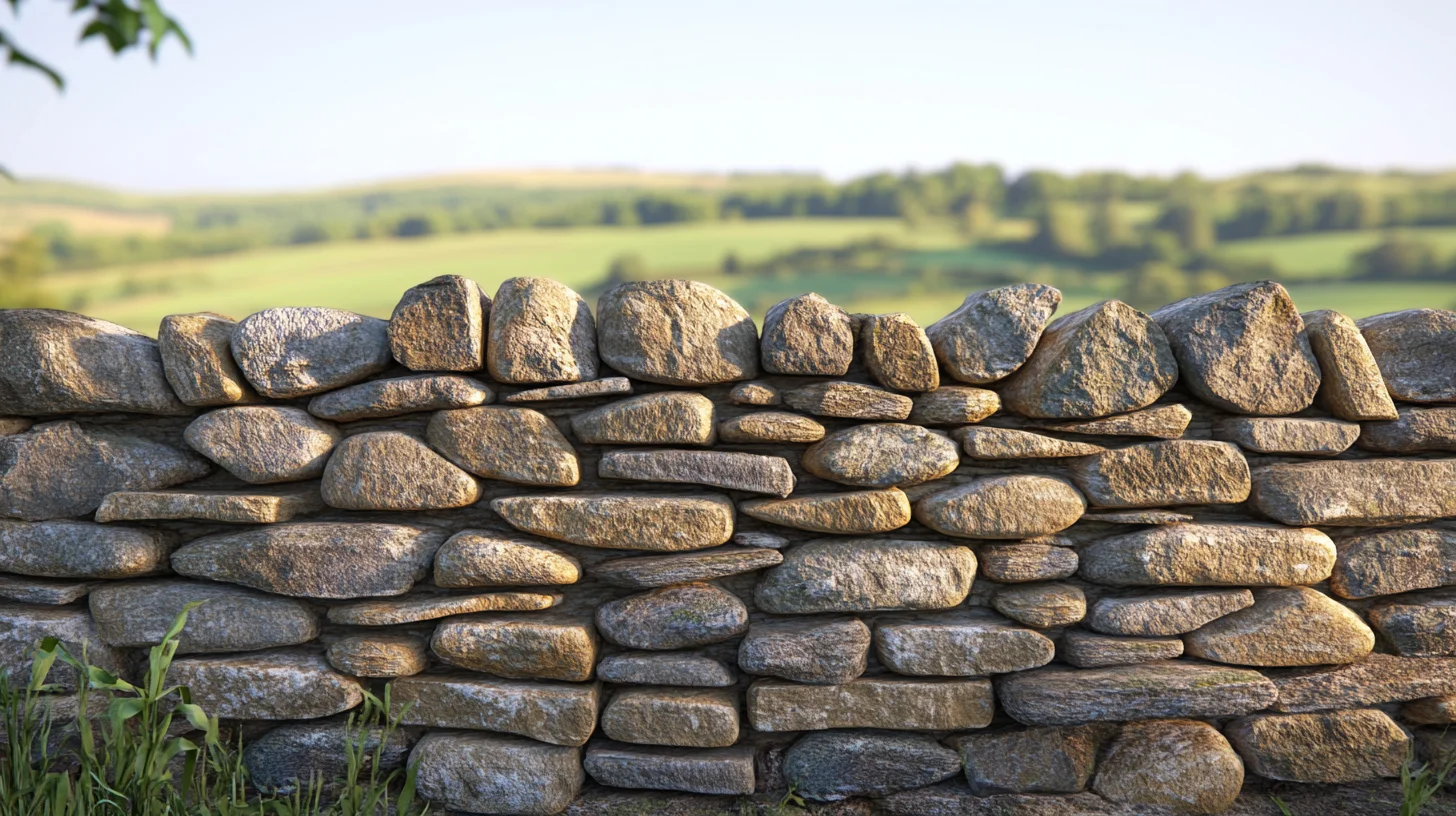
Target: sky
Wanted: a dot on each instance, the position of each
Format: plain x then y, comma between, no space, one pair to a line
285,94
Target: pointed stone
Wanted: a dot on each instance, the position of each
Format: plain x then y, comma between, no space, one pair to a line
1374,680
42,591
379,655
1332,747
1019,563
847,575
1350,382
1031,760
229,507
540,331
664,418
301,351
1211,555
665,669
835,765
665,570
137,614
954,405
607,386
80,549
770,426
848,400
993,332
477,558
898,354
1003,507
389,470
1158,474
719,771
520,647
901,703
414,609
556,713
963,645
677,617
1415,430
1088,650
476,773
439,325
685,718
676,332
1290,435
509,444
1421,624
1338,494
198,360
1297,626
623,521
1057,695
1415,350
1155,614
854,512
754,393
1041,605
1006,443
23,627
264,444
282,685
1160,422
807,335
882,455
726,469
815,651
379,399
1182,765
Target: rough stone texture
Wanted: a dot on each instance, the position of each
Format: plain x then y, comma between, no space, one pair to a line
850,513
43,591
520,647
1002,507
1415,353
722,771
1350,382
416,608
287,757
389,470
1329,747
676,332
14,425
509,444
1355,493
846,575
1160,422
665,570
607,386
57,362
685,718
138,613
1032,760
665,418
1139,517
477,558
379,399
1159,474
768,541
1307,437
807,335
484,774
1041,605
992,333
816,651
849,400
961,645
1056,695
197,358
1430,710
1007,443
230,507
623,521
883,455
439,325
676,617
1421,624
898,354
1156,614
379,655
1181,764
829,766
1296,626
901,703
1210,555
1415,430
954,405
300,351
770,426
1019,563
558,713
540,331
755,393
1089,650
1378,678
23,626
730,470
665,669
79,549
283,685
264,444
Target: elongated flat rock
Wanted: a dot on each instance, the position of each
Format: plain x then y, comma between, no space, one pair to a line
1416,352
676,617
664,570
1289,435
1007,443
1415,430
992,333
848,400
540,331
521,647
80,549
676,332
439,325
231,619
623,521
1330,747
1003,507
897,353
558,713
1160,474
509,444
1297,626
720,771
45,591
229,507
300,351
1061,696
389,470
1210,555
1042,605
476,773
1019,563
281,685
24,626
847,575
726,469
477,558
816,650
379,655
198,360
1159,422
606,386
1139,517
899,703
664,418
885,455
685,718
1089,650
965,645
433,607
1374,680
403,395
1338,494
1155,614
1350,382
854,512
770,426
264,444
665,669
954,405
835,765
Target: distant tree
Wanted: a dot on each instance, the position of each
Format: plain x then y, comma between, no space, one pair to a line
1062,231
1108,224
1191,221
23,262
1033,192
731,265
308,234
1155,284
1397,258
624,268
976,218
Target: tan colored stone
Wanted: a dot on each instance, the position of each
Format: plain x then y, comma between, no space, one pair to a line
1031,760
509,444
815,651
301,351
439,325
1430,710
1421,624
770,426
1415,430
1002,507
665,669
853,512
197,357
379,655
675,617
1331,747
623,521
1339,494
847,575
898,354
1376,679
730,470
754,393
1019,563
1089,650
1295,626
1157,474
960,645
557,713
378,399
282,685
992,333
80,549
1041,605
686,718
882,455
676,332
665,570
14,425
135,614
1174,612
1183,765
848,400
900,703
389,470
477,558
1350,382
807,335
954,405
1006,443
1057,695
1308,437
540,331
490,774
606,386
264,444
1159,422
412,609
230,507
520,647
1211,555
1415,352
664,418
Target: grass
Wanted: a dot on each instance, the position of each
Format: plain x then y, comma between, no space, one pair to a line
1325,254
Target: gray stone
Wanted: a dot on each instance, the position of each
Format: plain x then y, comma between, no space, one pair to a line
882,455
954,405
379,399
43,591
1007,443
1416,352
1158,474
848,400
264,444
607,386
490,774
726,469
540,331
623,521
754,393
520,647
664,570
767,541
80,549
379,655
135,614
993,332
24,626
685,718
1181,765
962,645
828,766
1350,382
854,512
901,703
439,325
676,332
289,756
558,713
1331,747
1210,555
1032,760
1057,695
416,608
807,335
1295,626
1002,507
282,685
1422,624
229,507
664,418
1415,430
197,358
897,353
1019,563
1089,650
770,426
1156,614
1159,422
847,575
665,669
300,351
476,558
722,771
677,617
1041,605
1374,680
389,470
1308,437
817,651
509,444
1338,494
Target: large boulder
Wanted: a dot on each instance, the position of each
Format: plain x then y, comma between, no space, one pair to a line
389,470
1210,555
378,399
1003,507
508,444
540,331
964,645
816,651
853,512
664,418
676,332
555,713
882,455
898,354
197,357
1330,747
676,617
898,703
828,766
264,444
134,614
1295,626
1056,695
684,718
1350,383
730,470
521,647
993,332
623,521
1159,474
1416,352
80,549
1339,494
473,558
300,351
847,575
278,685
485,773
1182,765
439,325
807,335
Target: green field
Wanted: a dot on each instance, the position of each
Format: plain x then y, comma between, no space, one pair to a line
1325,254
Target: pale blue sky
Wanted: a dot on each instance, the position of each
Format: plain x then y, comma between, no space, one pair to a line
299,93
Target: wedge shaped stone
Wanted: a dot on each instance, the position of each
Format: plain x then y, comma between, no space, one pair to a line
1160,474
829,766
755,393
807,335
1330,747
1159,422
898,703
301,351
1415,430
676,617
954,405
846,575
521,647
854,512
993,332
478,558
1350,382
1302,437
606,386
80,549
24,626
685,718
883,455
1373,680
664,418
379,655
45,591
1089,650
509,444
557,713
965,645
416,608
729,470
264,444
1421,624
136,614
1415,350
280,685
1182,765
1160,614
476,773
817,651
1057,695
540,331
1031,760
197,358
848,400
665,669
389,470
439,325
1295,626
898,354
664,570
719,771
1007,443
1041,605
1020,563
379,399
1003,507
1338,494
230,507
770,426
623,521
676,332
1210,555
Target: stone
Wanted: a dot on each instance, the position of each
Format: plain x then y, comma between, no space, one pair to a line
1161,614
960,645
1330,747
439,325
1056,695
882,455
676,617
226,506
519,647
264,444
1106,359
1289,435
606,386
665,669
1415,430
509,444
1020,563
557,713
1414,352
807,335
315,560
1242,349
755,393
954,405
853,512
767,541
1418,625
623,521
63,363
1160,422
1295,626
1159,474
1430,710
80,549
1041,605
816,651
676,332
993,332
286,758
664,570
726,469
1338,493
24,626
1374,680
770,426
1182,765
664,418
380,399
477,558
43,591
301,351
416,608
59,470
900,703
684,718
135,614
197,358
955,799
848,575
14,425
1139,517
491,774
828,766
721,771
540,331
848,400
1210,555
379,655
1031,760
281,685
1089,650
898,354
1007,443
1002,507
389,470
1350,382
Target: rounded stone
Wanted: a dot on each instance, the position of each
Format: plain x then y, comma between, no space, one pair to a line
848,400
828,766
264,444
807,335
1182,764
623,521
1297,626
439,325
685,718
540,331
299,351
1020,563
389,470
993,332
1003,507
676,332
768,427
848,575
954,405
882,455
477,558
678,617
508,444
522,646
379,655
664,418
1041,605
821,652
898,354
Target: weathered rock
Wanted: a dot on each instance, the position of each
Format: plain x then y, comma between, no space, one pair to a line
23,627
1339,494
1006,443
1155,614
416,608
665,570
722,771
43,591
1031,760
901,703
1430,710
264,444
1309,437
1056,695
1210,555
665,669
289,756
963,645
389,470
1041,605
1182,765
847,575
1019,563
490,774
540,331
955,799
1350,382
58,470
558,713
1139,517
1158,474
378,399
439,325
676,332
807,335
300,351
1415,430
1002,507
283,685
474,558
755,393
62,363
848,400
509,444
1418,625
993,332
623,521
14,425
1330,747
606,386
767,541
675,617
315,560
1105,359
520,647
379,655
686,718
1375,679
1415,352
898,354
730,470
197,358
1161,422
1297,626
821,652
770,426
79,549
954,405
828,766
854,512
664,418
1088,650
231,507
138,613
882,455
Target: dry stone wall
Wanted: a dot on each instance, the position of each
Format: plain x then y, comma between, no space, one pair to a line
652,556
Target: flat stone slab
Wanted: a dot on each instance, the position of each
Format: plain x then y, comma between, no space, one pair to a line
379,655
1064,696
389,470
899,703
226,506
80,549
665,669
1289,435
479,558
830,766
623,521
1159,422
44,591
264,444
676,617
685,718
1162,474
1006,443
137,614
721,771
1211,555
1138,517
763,427
665,570
606,386
1338,494
1295,626
480,773
509,444
664,418
726,469
1089,650
1160,614
557,713
1020,563
283,685
850,513
954,405
961,645
992,333
1003,507
882,455
1331,747
1041,605
818,651
433,607
846,575
848,400
1374,680
520,647
300,351
1414,430
399,396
